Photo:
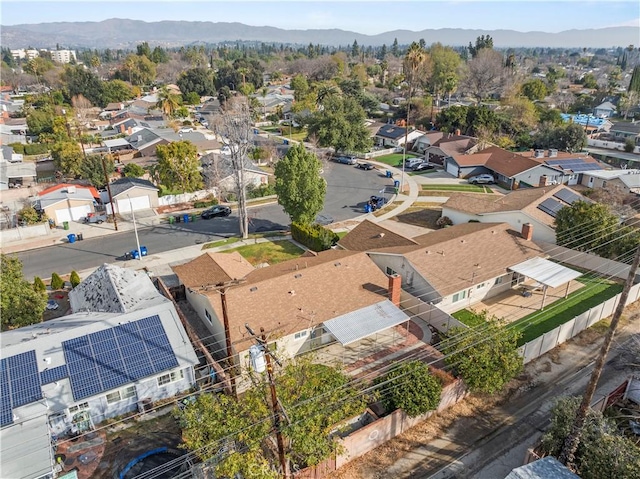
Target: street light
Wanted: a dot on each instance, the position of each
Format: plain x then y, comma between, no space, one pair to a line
135,228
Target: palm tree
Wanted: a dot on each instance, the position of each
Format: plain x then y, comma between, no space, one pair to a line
167,101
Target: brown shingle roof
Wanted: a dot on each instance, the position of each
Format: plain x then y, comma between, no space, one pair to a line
467,254
368,236
212,269
455,145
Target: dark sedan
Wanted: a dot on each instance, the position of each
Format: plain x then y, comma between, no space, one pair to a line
365,166
218,210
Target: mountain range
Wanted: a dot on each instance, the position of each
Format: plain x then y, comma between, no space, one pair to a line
122,33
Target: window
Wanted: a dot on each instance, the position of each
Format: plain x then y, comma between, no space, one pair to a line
113,397
499,280
481,285
390,271
79,407
171,377
129,392
208,316
300,335
459,296
122,394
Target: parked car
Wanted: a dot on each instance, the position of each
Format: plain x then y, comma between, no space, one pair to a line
482,179
425,165
215,211
411,162
98,218
185,129
346,160
52,305
365,166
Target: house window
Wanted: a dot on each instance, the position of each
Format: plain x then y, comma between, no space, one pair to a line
604,184
79,407
207,314
459,296
481,285
300,335
170,378
121,394
129,392
390,271
499,280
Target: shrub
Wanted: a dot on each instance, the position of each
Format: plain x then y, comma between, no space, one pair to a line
443,222
56,282
38,285
261,191
17,148
629,145
74,279
36,149
205,203
315,237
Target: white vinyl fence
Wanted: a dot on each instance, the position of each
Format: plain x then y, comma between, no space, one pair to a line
185,197
545,343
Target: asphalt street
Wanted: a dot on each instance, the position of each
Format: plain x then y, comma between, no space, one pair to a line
348,189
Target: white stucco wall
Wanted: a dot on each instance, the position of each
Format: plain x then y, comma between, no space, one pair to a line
201,303
476,293
412,280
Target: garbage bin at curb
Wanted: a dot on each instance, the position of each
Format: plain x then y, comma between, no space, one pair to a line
71,237
171,220
396,183
178,219
389,174
185,218
143,250
79,237
65,225
194,217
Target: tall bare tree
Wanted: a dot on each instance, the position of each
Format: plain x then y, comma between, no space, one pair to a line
233,126
486,74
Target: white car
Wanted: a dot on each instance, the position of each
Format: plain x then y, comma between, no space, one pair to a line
185,129
52,305
482,179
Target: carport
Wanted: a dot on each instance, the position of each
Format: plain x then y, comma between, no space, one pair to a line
546,274
365,322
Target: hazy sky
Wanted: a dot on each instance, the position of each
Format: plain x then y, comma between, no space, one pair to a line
368,17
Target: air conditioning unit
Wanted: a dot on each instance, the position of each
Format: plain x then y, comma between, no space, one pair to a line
71,189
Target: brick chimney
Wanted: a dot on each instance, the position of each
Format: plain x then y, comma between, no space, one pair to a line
457,131
543,180
527,231
122,128
395,284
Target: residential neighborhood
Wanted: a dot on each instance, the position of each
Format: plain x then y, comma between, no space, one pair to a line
259,259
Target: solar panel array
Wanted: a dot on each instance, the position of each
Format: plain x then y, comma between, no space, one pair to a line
567,196
550,206
52,375
108,359
20,383
574,164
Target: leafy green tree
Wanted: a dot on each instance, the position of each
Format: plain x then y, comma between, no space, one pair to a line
21,303
340,125
410,387
589,81
482,43
67,157
56,282
168,102
549,115
191,98
29,215
40,121
80,81
178,166
198,80
91,169
116,91
634,83
452,118
485,362
300,187
133,170
38,285
159,55
300,87
534,89
74,279
445,63
602,452
144,49
138,70
569,137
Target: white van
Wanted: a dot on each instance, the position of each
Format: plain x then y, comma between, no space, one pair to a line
411,162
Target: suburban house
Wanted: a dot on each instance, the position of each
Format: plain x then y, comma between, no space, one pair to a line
426,140
393,136
272,102
131,194
122,348
623,130
369,236
302,304
67,202
605,110
628,180
145,142
14,173
591,123
449,146
534,206
456,267
217,172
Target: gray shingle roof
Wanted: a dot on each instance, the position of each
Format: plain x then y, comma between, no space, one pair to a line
123,184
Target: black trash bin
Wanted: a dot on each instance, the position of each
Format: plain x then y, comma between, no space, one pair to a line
178,219
127,256
79,237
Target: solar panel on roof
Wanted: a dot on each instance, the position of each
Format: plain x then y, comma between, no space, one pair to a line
24,378
52,375
550,206
6,414
567,196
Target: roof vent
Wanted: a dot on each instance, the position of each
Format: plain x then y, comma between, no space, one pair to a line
297,276
380,235
292,292
71,189
253,288
337,263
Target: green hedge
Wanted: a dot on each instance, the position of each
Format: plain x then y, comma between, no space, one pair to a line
18,148
30,149
315,237
205,204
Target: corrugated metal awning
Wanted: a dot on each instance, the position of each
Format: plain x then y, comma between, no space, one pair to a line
364,322
545,272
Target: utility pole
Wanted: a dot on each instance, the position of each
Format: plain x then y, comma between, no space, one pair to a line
275,404
106,178
571,442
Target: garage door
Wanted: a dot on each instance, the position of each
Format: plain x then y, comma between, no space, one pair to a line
452,168
63,215
137,203
72,214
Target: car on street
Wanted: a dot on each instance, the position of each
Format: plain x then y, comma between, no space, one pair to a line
98,218
185,129
365,166
482,179
215,211
52,305
423,166
347,160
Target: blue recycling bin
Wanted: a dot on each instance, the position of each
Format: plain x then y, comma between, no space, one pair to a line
389,174
255,131
143,250
185,218
285,142
367,208
396,183
72,238
135,254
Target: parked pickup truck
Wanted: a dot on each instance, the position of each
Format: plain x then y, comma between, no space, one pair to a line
95,218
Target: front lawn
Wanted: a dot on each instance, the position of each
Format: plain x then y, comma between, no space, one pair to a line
463,188
269,252
595,291
469,318
394,159
423,172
